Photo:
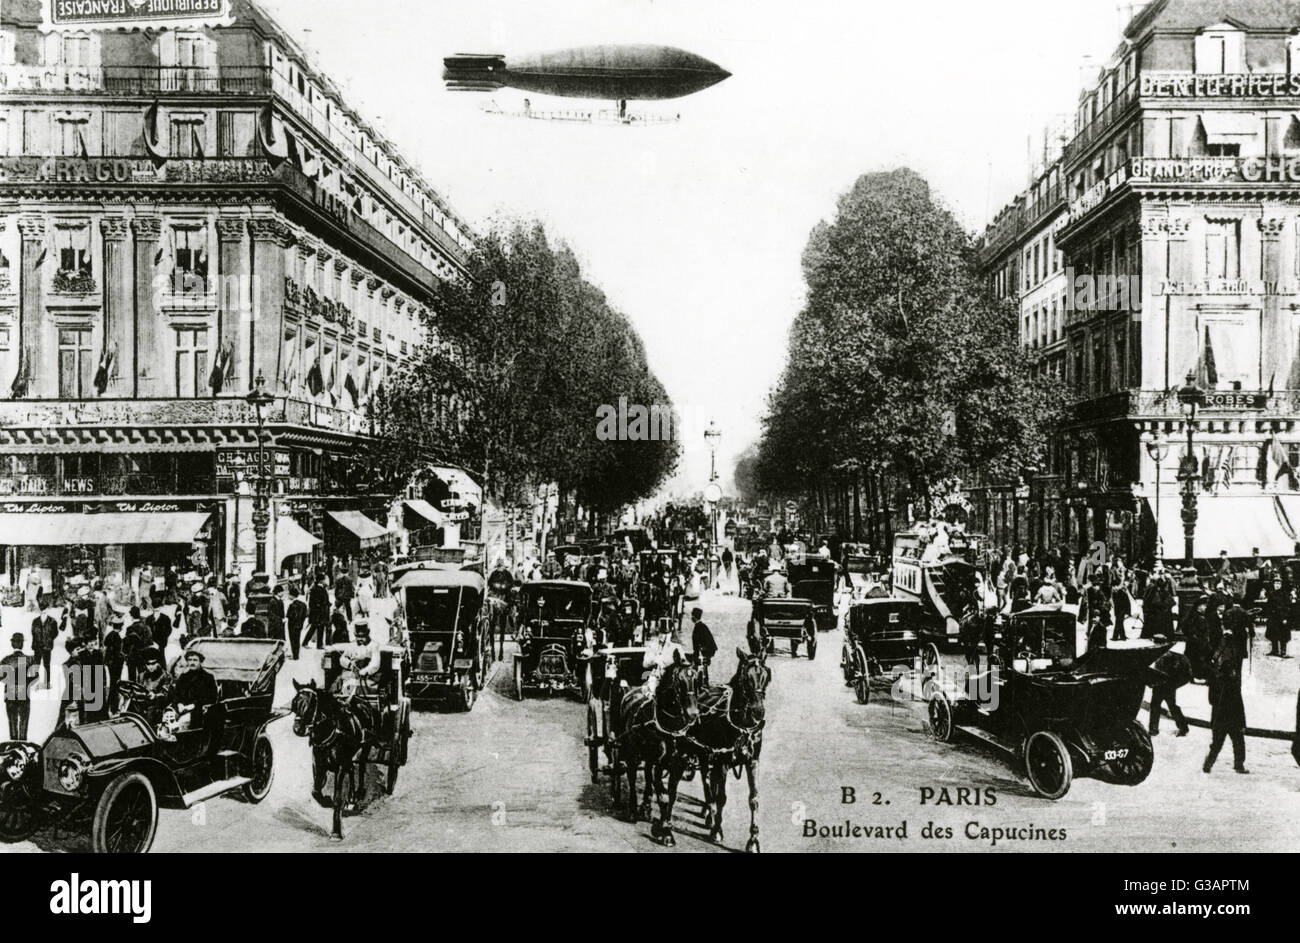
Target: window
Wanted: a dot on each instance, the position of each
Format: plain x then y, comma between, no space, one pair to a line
1223,249
1221,50
36,132
191,362
76,363
124,134
72,243
1223,150
187,138
71,137
236,134
76,52
8,42
190,258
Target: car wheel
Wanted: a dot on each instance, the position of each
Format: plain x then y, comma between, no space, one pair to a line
940,713
20,817
862,677
1048,765
846,666
468,692
593,739
126,816
812,648
1135,767
519,680
261,771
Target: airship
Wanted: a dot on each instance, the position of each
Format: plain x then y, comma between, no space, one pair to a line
613,73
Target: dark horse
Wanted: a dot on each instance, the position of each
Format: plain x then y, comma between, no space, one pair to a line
728,736
340,737
649,730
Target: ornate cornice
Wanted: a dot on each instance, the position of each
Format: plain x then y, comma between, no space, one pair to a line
387,293
399,304
306,250
271,231
373,284
32,228
115,228
1153,227
340,265
230,229
357,277
147,228
325,254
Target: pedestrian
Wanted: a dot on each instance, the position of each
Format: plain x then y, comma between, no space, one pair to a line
1227,710
1171,671
275,614
1195,629
231,592
16,671
344,592
161,630
253,626
45,629
295,617
32,595
365,592
340,628
318,613
1278,608
86,684
1121,603
1158,605
215,613
703,644
114,657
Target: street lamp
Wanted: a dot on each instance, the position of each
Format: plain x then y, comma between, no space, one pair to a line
713,435
1157,447
1191,397
259,399
713,494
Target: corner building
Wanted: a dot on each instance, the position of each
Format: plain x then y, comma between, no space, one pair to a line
184,209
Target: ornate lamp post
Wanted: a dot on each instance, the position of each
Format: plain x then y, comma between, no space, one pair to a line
1157,447
259,399
713,494
1191,397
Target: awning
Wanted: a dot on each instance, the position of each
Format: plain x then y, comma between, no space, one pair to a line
418,514
360,526
460,484
1235,523
100,530
1230,127
291,539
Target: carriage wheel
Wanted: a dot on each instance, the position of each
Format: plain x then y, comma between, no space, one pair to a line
1136,766
261,771
940,712
1047,762
929,660
468,694
846,665
593,739
519,681
862,677
812,647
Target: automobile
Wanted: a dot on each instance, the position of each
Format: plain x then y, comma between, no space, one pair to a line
1060,714
446,634
884,637
112,776
613,671
793,620
555,630
386,694
814,578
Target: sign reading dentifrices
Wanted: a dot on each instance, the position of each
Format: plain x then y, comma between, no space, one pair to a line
133,14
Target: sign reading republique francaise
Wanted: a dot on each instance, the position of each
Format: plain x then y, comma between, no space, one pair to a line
112,14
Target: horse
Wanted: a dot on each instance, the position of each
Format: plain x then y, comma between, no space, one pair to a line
729,735
340,737
649,727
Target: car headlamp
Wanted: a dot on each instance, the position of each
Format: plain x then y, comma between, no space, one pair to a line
17,761
72,771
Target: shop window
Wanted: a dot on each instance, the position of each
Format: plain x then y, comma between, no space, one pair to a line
189,258
1223,249
191,369
76,363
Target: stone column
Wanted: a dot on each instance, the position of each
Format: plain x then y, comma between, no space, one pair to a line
1275,334
1154,305
234,302
150,375
118,299
31,308
270,238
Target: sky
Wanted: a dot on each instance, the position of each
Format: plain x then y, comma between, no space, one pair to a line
695,229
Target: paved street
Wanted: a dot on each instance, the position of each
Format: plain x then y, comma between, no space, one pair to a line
512,776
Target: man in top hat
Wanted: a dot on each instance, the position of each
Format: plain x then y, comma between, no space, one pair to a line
275,614
295,617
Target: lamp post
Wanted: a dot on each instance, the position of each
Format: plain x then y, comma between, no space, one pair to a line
1157,447
259,586
1191,397
713,494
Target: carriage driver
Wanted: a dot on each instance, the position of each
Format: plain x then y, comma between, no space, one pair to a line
660,654
360,661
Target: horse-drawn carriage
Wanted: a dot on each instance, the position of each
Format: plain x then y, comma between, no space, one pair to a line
793,620
814,579
661,590
613,671
1061,714
555,630
884,636
111,776
447,633
862,568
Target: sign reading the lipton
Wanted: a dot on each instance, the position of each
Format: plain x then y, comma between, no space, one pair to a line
112,14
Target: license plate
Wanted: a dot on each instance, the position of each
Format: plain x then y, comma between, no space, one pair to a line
1116,755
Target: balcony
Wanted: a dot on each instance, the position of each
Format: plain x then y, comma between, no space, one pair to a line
140,413
1102,122
136,80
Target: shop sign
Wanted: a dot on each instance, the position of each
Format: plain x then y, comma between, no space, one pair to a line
1227,286
104,507
1275,169
1231,401
135,14
1191,85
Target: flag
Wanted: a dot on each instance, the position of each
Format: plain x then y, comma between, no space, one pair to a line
1207,372
1284,466
315,381
350,384
221,368
1227,458
107,368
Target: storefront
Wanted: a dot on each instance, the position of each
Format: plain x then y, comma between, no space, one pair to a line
351,534
295,550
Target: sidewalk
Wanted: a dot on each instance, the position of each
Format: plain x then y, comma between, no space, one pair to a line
1268,689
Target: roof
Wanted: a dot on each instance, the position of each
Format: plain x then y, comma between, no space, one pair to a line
440,579
1198,14
550,585
883,601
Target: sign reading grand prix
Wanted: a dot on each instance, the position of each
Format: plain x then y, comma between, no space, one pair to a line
1272,169
112,14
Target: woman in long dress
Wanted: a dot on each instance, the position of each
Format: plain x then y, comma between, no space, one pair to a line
365,597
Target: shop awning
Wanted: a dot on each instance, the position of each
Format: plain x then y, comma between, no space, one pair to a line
363,528
1230,128
100,530
460,484
1235,523
291,539
418,514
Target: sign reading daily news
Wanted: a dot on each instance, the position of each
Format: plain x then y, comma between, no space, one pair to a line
134,14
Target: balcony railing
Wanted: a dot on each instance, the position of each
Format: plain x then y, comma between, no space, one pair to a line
1102,121
137,80
139,413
